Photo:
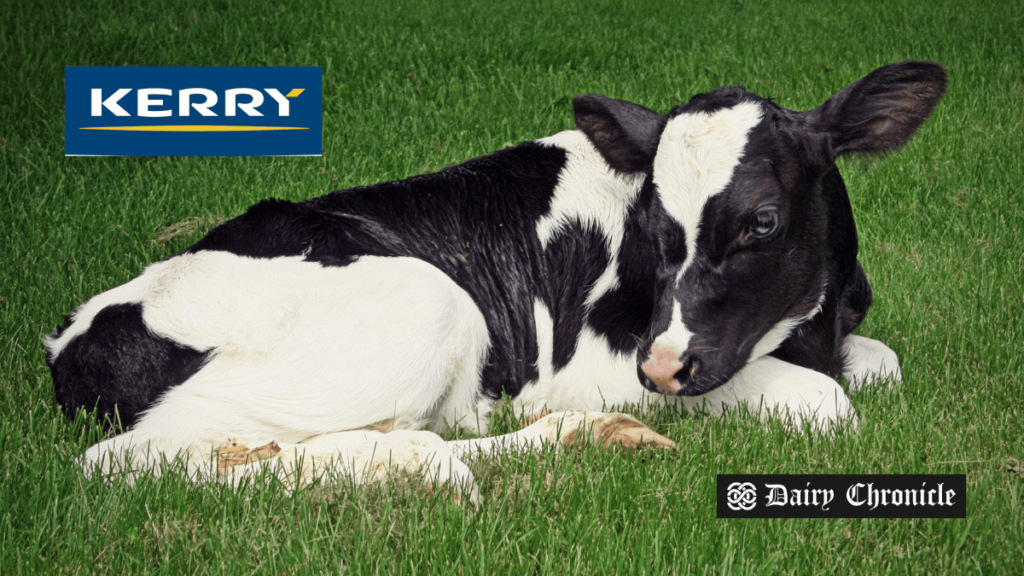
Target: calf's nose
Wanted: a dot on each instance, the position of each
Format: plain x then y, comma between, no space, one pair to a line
671,373
661,368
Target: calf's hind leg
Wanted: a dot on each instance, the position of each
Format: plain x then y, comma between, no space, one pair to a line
364,456
341,349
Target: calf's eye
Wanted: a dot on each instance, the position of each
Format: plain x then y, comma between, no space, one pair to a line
763,224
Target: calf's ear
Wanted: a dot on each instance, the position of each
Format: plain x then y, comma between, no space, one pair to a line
626,134
882,110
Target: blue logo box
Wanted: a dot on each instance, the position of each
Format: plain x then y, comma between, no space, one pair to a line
181,111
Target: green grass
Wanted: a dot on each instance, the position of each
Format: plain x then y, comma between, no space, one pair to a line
411,86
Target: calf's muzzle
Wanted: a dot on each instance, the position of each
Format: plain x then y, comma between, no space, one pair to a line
669,373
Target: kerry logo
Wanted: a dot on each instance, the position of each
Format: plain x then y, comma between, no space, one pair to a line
216,111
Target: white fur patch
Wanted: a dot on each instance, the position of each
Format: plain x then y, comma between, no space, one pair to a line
588,191
697,156
591,193
597,377
677,337
782,329
129,293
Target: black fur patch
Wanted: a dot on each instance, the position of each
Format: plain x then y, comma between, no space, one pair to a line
715,100
118,364
855,302
574,260
623,315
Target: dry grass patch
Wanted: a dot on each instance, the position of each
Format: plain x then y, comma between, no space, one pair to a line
189,227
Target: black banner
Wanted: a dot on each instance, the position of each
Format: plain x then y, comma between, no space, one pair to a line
842,496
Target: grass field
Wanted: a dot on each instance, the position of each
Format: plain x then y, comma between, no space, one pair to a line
412,86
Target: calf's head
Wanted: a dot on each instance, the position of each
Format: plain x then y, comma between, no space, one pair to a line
748,213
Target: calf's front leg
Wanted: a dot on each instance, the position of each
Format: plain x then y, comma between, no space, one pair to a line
770,387
566,429
868,362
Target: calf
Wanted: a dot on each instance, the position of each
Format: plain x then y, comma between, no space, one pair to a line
711,253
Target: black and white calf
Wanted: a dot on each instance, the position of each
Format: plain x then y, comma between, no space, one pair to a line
711,252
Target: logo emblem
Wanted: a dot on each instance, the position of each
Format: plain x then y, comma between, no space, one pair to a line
741,496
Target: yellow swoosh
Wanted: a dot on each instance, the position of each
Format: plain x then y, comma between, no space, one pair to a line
192,128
